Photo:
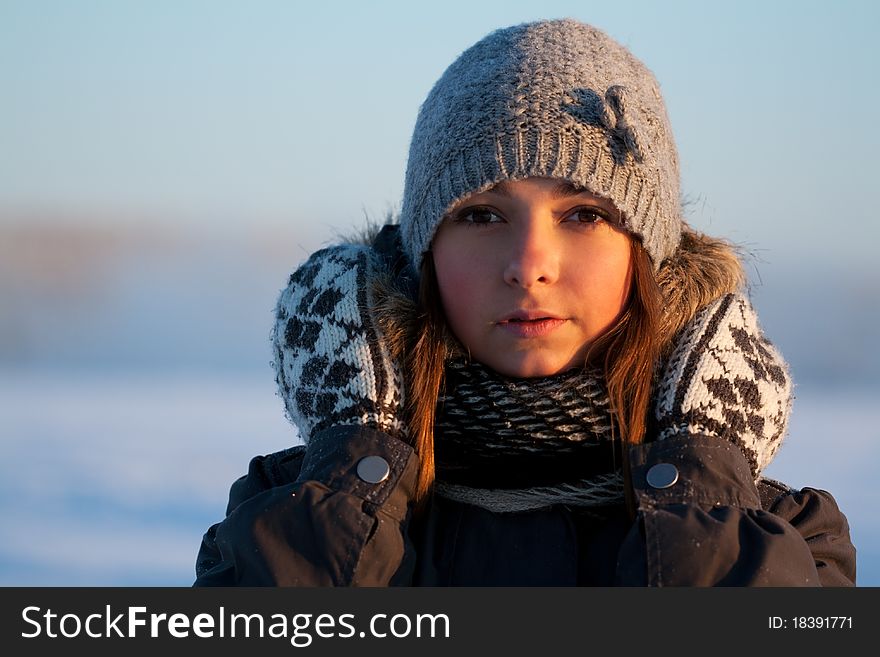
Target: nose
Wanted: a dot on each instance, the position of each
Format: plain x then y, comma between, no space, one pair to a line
533,258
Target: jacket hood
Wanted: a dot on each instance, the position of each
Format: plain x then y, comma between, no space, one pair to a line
701,270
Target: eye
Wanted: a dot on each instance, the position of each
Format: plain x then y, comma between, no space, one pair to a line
477,215
587,214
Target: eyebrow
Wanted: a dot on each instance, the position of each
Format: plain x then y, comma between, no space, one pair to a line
563,189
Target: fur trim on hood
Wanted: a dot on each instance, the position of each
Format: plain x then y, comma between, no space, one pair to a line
702,269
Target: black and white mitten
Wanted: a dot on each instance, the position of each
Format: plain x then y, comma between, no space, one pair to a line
331,365
724,378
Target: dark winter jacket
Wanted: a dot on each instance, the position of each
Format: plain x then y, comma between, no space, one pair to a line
304,517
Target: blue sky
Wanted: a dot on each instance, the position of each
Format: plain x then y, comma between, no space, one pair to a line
222,114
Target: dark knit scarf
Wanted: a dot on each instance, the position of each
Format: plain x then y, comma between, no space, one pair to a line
508,444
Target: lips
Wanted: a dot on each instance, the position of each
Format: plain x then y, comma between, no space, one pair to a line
528,316
530,323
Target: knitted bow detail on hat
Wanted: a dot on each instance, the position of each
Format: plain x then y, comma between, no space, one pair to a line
623,136
611,113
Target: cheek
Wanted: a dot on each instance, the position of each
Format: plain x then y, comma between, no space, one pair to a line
619,286
616,280
604,282
461,282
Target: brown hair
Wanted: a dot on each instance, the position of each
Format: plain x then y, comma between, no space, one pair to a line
628,353
424,362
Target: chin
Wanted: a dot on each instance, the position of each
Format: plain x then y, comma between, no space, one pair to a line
529,368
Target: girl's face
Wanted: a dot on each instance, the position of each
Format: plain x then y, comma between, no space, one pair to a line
530,273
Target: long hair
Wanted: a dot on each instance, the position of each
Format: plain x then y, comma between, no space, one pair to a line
628,353
425,365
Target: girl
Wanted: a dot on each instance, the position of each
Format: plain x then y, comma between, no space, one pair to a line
541,375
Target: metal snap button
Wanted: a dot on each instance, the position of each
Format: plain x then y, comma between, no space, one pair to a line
662,475
373,469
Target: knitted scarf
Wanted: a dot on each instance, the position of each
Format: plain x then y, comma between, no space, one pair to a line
516,444
509,444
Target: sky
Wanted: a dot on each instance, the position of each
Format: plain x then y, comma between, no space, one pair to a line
222,116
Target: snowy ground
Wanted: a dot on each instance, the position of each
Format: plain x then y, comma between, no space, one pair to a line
110,480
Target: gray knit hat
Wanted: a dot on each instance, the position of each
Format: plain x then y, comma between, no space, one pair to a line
559,99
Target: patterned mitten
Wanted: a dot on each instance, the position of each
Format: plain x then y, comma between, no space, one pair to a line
725,379
331,365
